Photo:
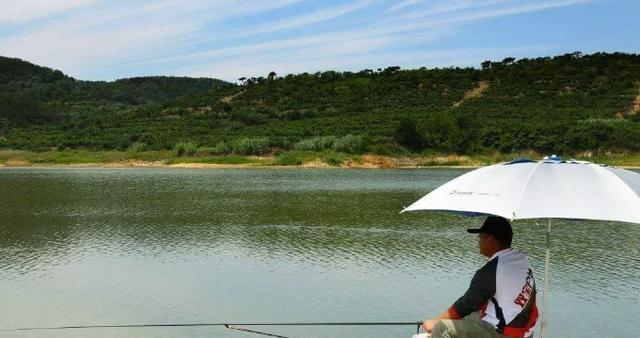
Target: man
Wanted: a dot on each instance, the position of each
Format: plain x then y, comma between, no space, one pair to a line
501,300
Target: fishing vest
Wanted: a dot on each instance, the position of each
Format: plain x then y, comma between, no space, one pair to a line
504,290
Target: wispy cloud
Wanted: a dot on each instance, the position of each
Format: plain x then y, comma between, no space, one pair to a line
304,19
517,9
391,30
246,66
403,4
454,6
106,39
106,32
15,12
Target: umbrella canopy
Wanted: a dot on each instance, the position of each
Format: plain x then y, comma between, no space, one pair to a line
550,188
525,189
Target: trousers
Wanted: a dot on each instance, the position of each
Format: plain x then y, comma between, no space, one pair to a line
470,326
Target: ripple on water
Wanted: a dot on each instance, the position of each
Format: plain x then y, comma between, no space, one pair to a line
290,245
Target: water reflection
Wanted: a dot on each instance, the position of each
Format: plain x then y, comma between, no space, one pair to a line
123,246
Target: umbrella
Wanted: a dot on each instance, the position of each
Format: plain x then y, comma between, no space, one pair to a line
551,188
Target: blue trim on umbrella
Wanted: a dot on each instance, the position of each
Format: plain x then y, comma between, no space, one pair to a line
464,213
470,214
519,160
553,159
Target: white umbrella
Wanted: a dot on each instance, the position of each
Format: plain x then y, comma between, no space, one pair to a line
551,188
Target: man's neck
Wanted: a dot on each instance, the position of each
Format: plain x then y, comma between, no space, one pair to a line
497,252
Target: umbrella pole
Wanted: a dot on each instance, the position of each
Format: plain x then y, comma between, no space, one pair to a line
545,297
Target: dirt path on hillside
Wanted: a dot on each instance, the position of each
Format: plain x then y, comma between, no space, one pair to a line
473,93
634,108
228,99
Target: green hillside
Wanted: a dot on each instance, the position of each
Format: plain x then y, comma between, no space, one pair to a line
564,104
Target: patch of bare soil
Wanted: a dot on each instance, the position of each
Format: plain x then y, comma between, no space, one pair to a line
228,99
314,164
477,91
373,161
16,163
205,166
634,108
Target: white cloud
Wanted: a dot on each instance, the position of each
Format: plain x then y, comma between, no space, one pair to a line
93,39
93,48
449,7
108,33
16,12
519,9
305,19
392,30
403,4
174,36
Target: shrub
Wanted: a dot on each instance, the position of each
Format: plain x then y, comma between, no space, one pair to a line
318,143
282,143
137,147
333,160
185,148
288,159
251,146
349,144
408,136
222,148
205,151
388,148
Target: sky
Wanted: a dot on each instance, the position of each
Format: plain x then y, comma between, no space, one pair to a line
228,39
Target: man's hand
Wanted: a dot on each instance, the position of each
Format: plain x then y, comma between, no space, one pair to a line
428,324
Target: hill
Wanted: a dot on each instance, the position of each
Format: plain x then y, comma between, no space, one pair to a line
565,104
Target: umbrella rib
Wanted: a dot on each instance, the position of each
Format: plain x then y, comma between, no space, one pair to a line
524,189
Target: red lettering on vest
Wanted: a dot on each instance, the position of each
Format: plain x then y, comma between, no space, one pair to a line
525,293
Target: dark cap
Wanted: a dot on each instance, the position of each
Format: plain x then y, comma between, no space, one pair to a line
498,227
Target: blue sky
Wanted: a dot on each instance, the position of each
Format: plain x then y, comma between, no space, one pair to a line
228,39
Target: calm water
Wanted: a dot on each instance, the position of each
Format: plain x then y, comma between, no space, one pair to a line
118,246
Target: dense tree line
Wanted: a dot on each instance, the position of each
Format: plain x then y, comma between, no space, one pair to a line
565,104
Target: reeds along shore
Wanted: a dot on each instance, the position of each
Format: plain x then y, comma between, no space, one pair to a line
303,159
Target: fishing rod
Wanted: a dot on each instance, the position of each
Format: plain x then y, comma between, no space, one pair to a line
255,332
231,326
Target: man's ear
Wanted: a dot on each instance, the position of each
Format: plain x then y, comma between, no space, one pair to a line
495,240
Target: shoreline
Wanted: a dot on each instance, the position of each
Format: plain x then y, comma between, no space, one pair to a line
214,166
284,160
148,165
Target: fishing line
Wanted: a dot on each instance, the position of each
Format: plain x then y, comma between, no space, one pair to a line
212,324
234,326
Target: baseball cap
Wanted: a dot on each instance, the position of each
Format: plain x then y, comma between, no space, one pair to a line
498,227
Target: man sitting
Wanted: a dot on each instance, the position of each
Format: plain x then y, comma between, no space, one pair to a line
501,300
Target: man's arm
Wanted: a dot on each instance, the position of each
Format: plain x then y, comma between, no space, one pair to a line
482,288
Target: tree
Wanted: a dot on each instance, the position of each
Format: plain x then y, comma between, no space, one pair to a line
408,136
392,69
508,60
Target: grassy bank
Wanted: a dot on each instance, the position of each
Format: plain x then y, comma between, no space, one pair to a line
167,158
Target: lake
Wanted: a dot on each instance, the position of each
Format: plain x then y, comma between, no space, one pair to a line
130,246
